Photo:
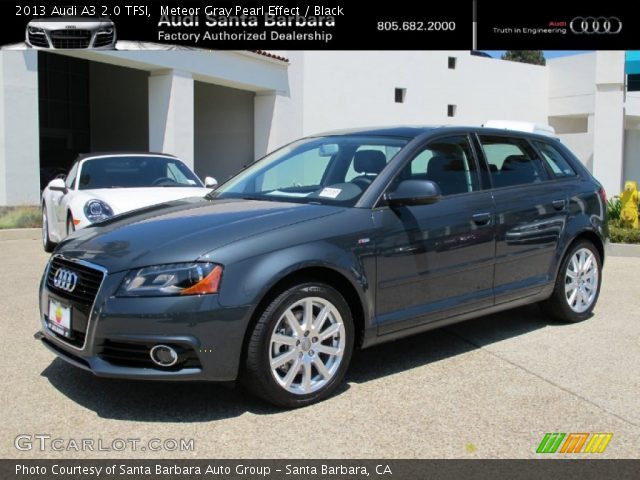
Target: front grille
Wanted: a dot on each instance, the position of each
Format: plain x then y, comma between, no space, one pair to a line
89,280
136,355
103,39
81,299
70,38
38,40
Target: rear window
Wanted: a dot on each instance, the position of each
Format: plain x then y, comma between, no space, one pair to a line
558,165
512,161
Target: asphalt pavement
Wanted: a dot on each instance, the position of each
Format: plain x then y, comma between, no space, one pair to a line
487,388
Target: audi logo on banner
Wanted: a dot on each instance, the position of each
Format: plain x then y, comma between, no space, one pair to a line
596,25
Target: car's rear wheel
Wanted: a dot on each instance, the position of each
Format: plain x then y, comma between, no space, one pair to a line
301,346
577,286
47,244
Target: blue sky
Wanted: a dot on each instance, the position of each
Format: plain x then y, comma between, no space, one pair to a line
547,53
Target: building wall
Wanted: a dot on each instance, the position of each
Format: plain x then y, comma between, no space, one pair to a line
19,129
223,130
347,89
632,156
119,111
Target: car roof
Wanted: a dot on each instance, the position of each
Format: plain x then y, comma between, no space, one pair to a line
412,132
84,156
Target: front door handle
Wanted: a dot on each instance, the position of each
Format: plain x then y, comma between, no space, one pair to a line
482,218
559,204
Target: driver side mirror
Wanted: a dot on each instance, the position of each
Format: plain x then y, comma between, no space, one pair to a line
210,182
413,192
58,185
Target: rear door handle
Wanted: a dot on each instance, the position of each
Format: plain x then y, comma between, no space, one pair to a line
558,204
482,218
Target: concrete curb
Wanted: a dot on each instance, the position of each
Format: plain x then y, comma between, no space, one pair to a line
20,234
623,250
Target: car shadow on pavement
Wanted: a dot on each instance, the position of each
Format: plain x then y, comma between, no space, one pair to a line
204,402
438,344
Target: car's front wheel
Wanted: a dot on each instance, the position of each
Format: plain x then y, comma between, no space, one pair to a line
47,244
577,286
300,347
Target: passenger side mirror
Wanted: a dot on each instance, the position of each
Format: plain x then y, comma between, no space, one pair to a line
413,192
210,182
58,185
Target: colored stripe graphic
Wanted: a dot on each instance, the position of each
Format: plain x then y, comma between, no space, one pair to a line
598,442
574,442
550,443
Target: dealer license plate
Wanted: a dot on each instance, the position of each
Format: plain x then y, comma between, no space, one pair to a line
59,319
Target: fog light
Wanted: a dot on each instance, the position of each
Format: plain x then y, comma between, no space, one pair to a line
163,356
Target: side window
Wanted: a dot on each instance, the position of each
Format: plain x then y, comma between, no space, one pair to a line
558,165
448,162
511,161
71,177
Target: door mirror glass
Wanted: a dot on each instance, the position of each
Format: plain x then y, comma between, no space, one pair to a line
57,185
210,182
413,192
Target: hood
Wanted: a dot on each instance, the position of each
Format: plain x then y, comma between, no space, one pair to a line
80,23
182,231
126,199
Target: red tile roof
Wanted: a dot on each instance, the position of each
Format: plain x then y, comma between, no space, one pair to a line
264,53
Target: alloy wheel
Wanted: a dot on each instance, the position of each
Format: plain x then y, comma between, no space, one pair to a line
581,280
307,345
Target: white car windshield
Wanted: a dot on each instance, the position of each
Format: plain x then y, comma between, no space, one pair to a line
333,169
136,171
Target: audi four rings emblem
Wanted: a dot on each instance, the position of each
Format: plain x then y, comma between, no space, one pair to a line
65,280
596,25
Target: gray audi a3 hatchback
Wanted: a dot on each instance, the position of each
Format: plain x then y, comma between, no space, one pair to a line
332,243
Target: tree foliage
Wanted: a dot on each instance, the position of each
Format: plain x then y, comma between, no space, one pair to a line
534,57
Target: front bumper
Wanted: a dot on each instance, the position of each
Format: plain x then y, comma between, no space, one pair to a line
211,336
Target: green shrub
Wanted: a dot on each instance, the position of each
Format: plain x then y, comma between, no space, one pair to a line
618,234
614,207
20,217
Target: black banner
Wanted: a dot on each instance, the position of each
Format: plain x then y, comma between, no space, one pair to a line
321,469
341,25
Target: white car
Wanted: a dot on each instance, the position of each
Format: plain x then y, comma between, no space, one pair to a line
99,186
65,32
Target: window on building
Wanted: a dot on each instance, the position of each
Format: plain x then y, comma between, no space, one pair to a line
448,162
400,94
451,110
511,161
452,63
556,162
633,83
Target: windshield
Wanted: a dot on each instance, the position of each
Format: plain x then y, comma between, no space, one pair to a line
333,169
136,171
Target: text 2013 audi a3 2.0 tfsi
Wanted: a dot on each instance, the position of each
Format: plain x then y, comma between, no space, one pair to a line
331,243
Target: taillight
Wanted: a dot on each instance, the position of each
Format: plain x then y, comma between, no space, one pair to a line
603,195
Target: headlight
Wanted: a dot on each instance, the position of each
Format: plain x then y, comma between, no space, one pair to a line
97,210
35,30
173,279
108,30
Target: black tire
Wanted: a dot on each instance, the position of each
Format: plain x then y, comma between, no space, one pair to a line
257,376
47,244
70,226
557,305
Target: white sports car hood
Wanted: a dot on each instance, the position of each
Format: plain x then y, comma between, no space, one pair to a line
126,199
